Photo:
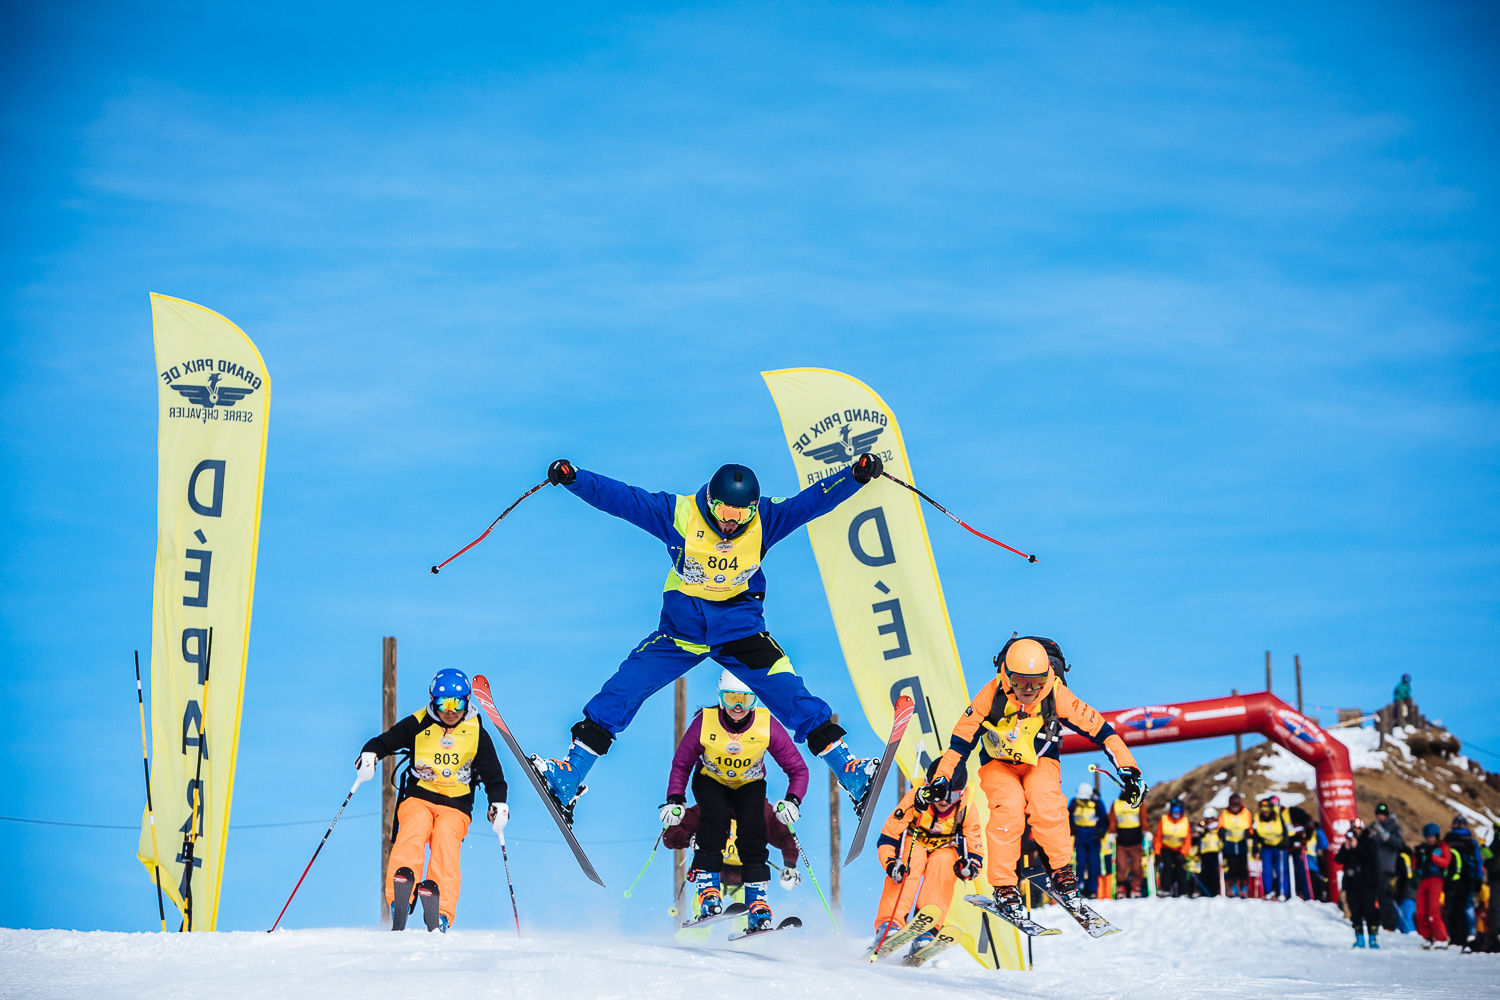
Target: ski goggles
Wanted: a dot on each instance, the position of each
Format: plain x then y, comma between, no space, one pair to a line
724,512
1027,683
737,699
450,704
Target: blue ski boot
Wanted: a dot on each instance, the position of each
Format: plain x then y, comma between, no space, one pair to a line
1359,940
564,777
709,899
759,918
921,941
1373,943
853,773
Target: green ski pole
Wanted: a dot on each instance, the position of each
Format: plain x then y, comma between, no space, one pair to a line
810,874
648,862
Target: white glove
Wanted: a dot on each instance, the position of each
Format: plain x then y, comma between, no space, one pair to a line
790,878
671,813
788,812
499,815
364,768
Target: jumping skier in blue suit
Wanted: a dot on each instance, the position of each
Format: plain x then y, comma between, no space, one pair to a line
712,606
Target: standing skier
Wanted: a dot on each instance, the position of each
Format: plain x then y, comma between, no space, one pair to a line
1433,859
923,848
1087,822
1173,842
724,749
1235,825
449,749
1386,832
711,606
1361,862
1128,823
1017,720
1272,829
1209,847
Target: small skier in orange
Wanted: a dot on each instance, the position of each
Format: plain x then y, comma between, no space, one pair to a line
1017,722
923,850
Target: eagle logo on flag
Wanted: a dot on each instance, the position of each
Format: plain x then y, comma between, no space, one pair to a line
846,448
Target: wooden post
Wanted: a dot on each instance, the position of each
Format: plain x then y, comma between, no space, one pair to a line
1239,767
679,726
388,768
1297,664
833,834
900,785
1268,671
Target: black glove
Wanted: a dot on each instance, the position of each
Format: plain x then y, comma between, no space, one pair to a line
895,870
931,792
561,473
867,467
1131,788
966,868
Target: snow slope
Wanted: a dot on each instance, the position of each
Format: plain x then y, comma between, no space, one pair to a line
1174,948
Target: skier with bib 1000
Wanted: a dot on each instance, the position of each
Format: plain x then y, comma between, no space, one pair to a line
1016,721
724,749
449,749
711,607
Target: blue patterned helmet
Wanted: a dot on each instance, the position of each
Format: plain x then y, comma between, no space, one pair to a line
450,691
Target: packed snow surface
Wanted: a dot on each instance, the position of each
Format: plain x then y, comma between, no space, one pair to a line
1219,948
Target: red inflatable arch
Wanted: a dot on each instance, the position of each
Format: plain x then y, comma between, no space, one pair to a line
1262,713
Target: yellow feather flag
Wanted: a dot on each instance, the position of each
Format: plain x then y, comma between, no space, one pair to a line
887,602
213,396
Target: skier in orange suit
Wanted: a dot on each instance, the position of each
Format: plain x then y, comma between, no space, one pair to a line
1017,721
927,846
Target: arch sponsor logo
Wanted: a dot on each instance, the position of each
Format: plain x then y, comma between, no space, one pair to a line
1151,720
1298,727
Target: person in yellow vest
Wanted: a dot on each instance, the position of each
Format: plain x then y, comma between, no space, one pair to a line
923,849
724,751
1088,822
1173,842
1272,831
1017,721
712,606
1235,823
1209,847
1128,825
450,750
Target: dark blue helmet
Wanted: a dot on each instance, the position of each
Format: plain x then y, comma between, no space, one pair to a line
450,687
1175,808
734,485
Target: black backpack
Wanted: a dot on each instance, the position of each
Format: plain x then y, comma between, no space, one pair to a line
1060,666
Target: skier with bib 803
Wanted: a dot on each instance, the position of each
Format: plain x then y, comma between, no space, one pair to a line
449,750
923,848
1016,720
724,750
711,607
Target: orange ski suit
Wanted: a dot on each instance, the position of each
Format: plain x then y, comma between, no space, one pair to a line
1019,770
931,844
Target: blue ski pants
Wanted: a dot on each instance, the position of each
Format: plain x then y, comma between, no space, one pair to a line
1273,872
755,659
1086,857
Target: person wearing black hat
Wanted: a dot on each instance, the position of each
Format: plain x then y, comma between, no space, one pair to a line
1464,876
1361,871
1386,833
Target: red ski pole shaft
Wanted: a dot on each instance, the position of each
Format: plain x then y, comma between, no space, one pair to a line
315,854
496,521
963,524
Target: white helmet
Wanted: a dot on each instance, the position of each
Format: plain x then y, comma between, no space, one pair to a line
730,684
1085,790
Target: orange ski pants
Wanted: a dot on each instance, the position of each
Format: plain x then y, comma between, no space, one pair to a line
1021,793
932,871
422,824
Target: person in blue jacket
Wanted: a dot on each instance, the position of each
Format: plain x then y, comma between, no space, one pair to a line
711,607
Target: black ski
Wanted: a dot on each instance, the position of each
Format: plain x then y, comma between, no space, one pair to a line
427,892
1023,924
1088,918
481,688
785,925
864,808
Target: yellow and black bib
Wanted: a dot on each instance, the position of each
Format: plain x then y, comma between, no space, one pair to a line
714,568
1174,832
1126,817
1012,737
734,759
443,758
1270,831
932,830
1235,825
732,846
1210,842
1086,812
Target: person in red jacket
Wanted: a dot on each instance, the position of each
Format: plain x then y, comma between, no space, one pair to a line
724,750
1432,860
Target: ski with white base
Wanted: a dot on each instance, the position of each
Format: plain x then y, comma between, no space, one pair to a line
864,807
732,910
563,818
1088,918
786,924
1023,924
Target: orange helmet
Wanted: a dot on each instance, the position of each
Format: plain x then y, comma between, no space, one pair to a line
1026,656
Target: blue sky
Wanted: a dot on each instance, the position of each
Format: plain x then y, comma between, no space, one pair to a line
1199,306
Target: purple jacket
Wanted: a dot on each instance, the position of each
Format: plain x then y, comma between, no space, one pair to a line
782,750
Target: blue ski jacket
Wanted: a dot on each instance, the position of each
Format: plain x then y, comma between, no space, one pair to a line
669,517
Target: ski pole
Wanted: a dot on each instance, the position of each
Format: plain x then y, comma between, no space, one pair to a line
813,875
190,839
891,917
496,521
945,510
1112,776
357,783
650,859
513,909
150,813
